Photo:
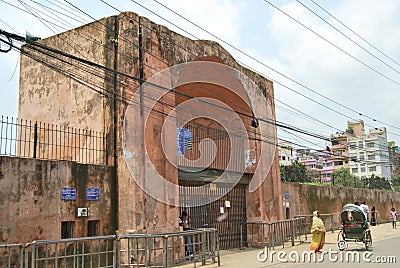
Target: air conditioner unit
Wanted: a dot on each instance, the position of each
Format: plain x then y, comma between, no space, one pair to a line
82,212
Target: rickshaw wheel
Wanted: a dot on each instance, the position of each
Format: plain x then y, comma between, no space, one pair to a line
340,236
368,240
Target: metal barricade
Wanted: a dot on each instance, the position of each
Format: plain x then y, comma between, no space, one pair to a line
96,252
128,250
11,255
168,249
265,234
332,221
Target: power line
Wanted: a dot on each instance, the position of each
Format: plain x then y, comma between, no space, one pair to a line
64,54
246,54
347,37
258,61
359,36
345,52
88,14
366,41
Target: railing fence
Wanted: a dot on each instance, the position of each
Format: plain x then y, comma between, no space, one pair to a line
128,250
24,138
265,234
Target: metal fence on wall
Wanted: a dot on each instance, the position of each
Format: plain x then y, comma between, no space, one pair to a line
24,138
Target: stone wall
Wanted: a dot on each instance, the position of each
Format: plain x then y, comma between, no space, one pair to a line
304,199
31,207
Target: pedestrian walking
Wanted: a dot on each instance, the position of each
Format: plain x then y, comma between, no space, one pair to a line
393,217
373,216
318,233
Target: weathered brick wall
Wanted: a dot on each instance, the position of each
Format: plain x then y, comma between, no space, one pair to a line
163,48
48,96
31,207
304,199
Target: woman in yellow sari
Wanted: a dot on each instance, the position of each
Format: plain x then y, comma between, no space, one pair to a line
318,233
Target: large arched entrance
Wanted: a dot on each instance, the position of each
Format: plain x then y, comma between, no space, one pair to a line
221,203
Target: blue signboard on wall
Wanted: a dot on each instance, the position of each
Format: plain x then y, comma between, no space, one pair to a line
183,140
68,193
180,141
92,193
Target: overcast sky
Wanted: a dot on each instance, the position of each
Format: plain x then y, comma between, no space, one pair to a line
357,77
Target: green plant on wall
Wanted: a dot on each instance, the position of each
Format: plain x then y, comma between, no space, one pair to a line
296,172
378,183
343,177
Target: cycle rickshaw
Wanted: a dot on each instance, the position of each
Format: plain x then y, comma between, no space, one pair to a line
355,227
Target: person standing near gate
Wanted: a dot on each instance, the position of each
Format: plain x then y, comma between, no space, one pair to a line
318,233
373,216
187,238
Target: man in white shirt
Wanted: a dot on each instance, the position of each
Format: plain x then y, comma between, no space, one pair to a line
365,209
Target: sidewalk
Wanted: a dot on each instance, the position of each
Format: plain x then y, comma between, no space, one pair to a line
237,258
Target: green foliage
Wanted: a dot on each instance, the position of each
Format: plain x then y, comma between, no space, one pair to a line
296,172
343,177
379,183
396,181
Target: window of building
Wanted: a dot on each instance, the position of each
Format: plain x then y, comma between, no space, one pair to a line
360,145
67,229
354,170
370,145
283,158
362,157
353,158
339,153
362,169
371,157
338,163
372,169
352,146
93,228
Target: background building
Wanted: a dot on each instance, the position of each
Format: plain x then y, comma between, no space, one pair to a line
285,150
339,141
369,154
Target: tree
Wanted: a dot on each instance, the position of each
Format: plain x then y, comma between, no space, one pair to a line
378,183
296,172
343,177
396,183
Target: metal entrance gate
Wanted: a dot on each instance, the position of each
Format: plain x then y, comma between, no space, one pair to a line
227,214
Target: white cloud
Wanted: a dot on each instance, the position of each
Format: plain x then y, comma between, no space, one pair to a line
325,69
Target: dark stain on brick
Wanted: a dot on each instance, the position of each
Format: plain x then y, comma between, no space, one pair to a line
80,177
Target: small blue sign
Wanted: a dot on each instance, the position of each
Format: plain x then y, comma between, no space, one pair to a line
183,140
92,193
188,139
286,195
68,193
180,141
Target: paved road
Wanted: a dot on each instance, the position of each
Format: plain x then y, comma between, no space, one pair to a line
386,248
